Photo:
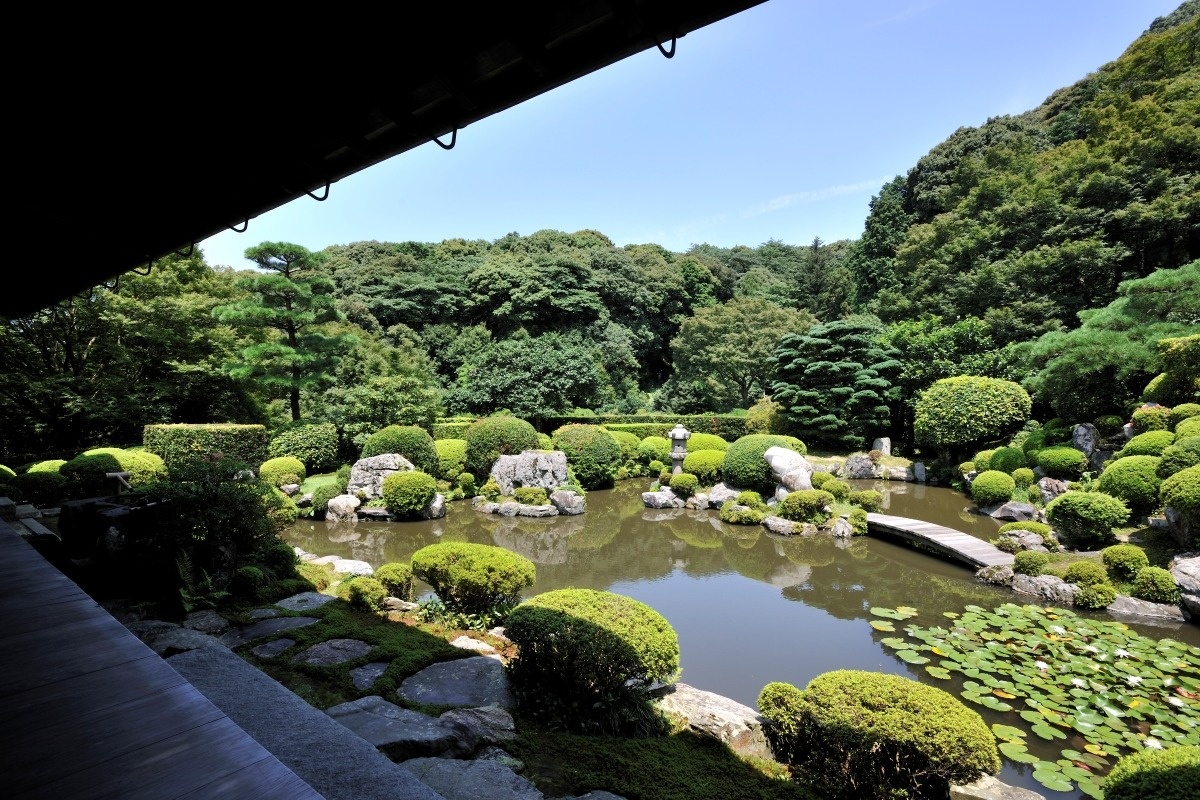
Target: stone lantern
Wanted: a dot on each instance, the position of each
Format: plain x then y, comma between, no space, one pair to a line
678,436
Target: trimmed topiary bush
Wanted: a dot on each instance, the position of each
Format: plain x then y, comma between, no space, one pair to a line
451,454
531,495
41,489
866,499
751,499
1172,773
655,448
1156,585
819,477
406,493
705,465
1096,596
1023,478
492,437
396,579
591,451
868,735
1086,573
983,460
1135,480
1040,528
143,467
1182,454
322,495
366,594
473,578
586,660
544,441
1065,463
1109,425
1124,560
858,521
706,441
1188,427
955,412
992,488
1086,519
745,466
1183,411
282,471
839,489
736,513
684,484
1151,418
1151,443
86,473
1030,562
410,441
628,443
806,505
314,443
1181,492
1007,459
53,465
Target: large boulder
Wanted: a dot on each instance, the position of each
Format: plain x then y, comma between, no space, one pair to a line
663,498
367,474
1051,488
859,467
567,502
717,717
1013,511
1085,437
789,468
1186,570
545,470
343,508
1051,588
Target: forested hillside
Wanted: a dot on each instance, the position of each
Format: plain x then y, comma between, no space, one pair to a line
1054,248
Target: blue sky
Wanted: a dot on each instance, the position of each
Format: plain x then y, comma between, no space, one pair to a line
777,123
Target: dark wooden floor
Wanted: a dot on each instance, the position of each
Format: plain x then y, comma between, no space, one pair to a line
89,711
956,545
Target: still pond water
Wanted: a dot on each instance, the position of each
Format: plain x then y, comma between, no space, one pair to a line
748,607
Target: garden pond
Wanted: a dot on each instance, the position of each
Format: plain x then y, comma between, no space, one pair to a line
750,608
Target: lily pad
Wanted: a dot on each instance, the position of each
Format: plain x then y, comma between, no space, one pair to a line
912,657
1008,732
883,625
1015,751
940,673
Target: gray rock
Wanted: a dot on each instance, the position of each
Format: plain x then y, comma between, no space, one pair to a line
663,498
540,468
483,505
436,509
508,509
717,717
883,445
351,566
367,474
1084,438
721,492
272,649
263,613
919,472
1050,588
290,489
150,629
180,640
491,752
401,733
207,621
467,682
304,501
1125,606
789,468
991,788
698,501
263,629
567,502
1178,525
396,604
1051,488
526,510
841,528
997,574
1013,511
467,643
1098,458
898,474
780,526
333,651
305,601
860,467
489,724
365,676
471,780
1186,569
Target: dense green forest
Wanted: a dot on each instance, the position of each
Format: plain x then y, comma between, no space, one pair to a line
1054,248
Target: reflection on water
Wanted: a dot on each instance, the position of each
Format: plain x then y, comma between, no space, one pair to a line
749,607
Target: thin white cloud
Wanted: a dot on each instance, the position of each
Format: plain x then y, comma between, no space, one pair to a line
815,196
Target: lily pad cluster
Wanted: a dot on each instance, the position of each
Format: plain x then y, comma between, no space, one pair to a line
1096,686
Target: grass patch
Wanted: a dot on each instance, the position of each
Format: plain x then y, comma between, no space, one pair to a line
682,766
313,481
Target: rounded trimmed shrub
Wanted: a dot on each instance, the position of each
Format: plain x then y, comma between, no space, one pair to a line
1151,418
705,465
1181,492
282,471
367,593
737,513
531,495
751,499
745,466
968,408
591,451
1182,454
473,578
684,484
396,578
1124,560
492,437
655,448
983,460
1172,773
1109,424
322,495
858,521
281,510
411,441
1007,459
6,472
866,499
1156,585
1135,480
544,441
41,489
143,467
1151,443
839,489
1086,573
587,659
314,443
1183,411
628,443
819,477
1023,478
706,441
1096,596
406,493
869,735
1030,562
1188,427
1040,528
451,455
53,465
992,488
1086,519
806,505
87,472
1065,463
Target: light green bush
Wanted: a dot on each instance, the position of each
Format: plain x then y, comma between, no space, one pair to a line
1023,478
473,578
751,499
1188,427
965,409
1124,560
705,465
684,484
52,465
1096,596
839,489
322,495
1181,492
411,441
492,437
745,466
1180,455
992,488
983,460
1183,411
367,593
1007,459
806,505
406,493
314,443
1151,418
1156,585
1172,773
819,477
451,454
628,443
736,513
396,579
858,521
655,448
1086,519
706,441
282,471
1030,562
1065,463
866,499
591,451
1133,479
531,495
1151,443
1086,573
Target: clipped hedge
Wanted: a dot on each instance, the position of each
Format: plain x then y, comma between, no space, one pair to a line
1156,585
592,452
492,437
1151,443
86,473
1064,463
866,499
1086,519
1181,492
706,441
179,445
628,443
1023,478
983,460
531,495
473,578
1030,562
684,484
705,465
868,735
1007,459
1135,480
965,409
654,448
396,578
1151,418
406,493
1182,454
411,441
806,505
1096,596
450,428
1124,560
52,465
1086,573
1188,427
314,443
737,513
727,426
452,455
1172,773
992,488
41,489
745,467
282,470
586,659
1183,411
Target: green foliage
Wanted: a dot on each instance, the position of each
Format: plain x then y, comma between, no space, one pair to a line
1109,424
282,470
1181,492
1085,573
1040,528
1065,463
745,467
1172,773
863,734
1151,443
992,488
765,416
1124,560
323,494
466,482
52,465
1180,455
684,484
1188,428
1183,411
86,472
1156,585
592,452
490,489
396,579
836,381
839,489
473,578
1096,596
1151,418
491,437
6,472
706,441
406,493
866,499
367,594
751,499
655,448
1086,519
365,402
965,410
780,705
983,460
628,443
806,505
314,443
42,489
1030,562
705,465
452,454
531,495
179,445
1135,480
820,477
587,660
1023,478
737,513
410,441
1007,459
858,521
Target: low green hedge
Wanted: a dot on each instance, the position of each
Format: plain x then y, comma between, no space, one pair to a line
473,578
866,499
1151,418
1086,573
1181,492
654,448
411,441
807,505
992,488
1151,443
705,465
1183,411
706,441
406,493
282,470
592,452
451,454
1172,773
1180,455
684,484
314,443
1064,463
1030,562
1086,519
178,445
396,578
1124,560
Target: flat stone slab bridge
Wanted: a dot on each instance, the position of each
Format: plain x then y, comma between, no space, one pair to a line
956,545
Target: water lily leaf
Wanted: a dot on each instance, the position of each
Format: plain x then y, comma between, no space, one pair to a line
1003,694
1008,733
907,611
888,613
1054,781
1095,749
1015,751
950,614
1032,716
1047,732
1084,727
912,657
883,625
1091,787
940,673
988,701
895,642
